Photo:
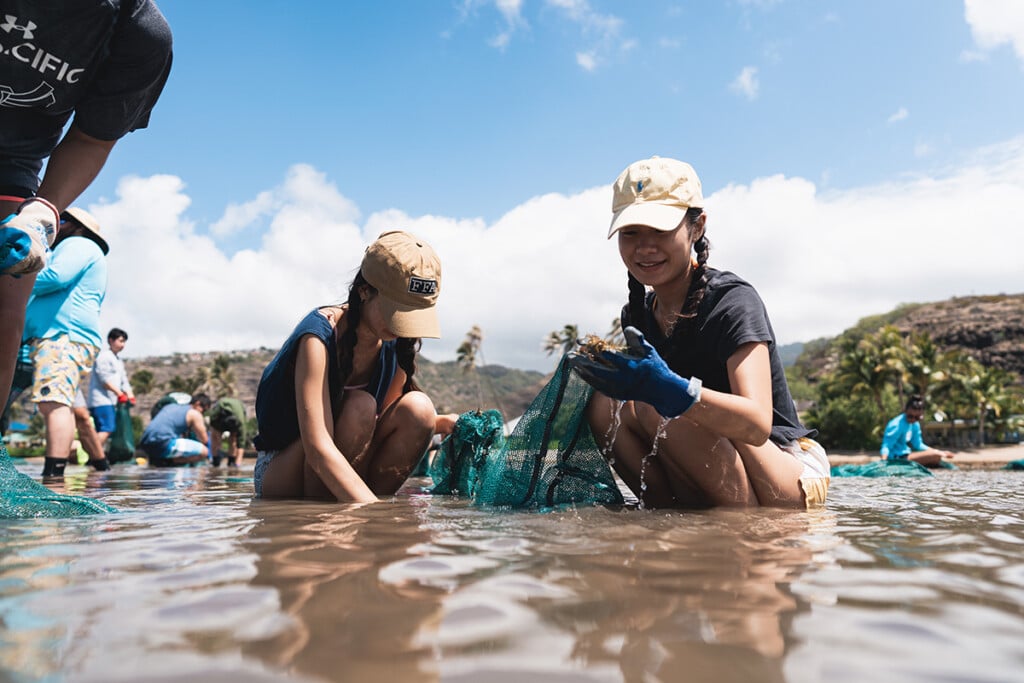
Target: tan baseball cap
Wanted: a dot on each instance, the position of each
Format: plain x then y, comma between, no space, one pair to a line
87,221
655,192
406,273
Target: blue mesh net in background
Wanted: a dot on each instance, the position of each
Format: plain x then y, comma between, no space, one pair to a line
550,459
21,496
882,468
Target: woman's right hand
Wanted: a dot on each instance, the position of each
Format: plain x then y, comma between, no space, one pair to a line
444,424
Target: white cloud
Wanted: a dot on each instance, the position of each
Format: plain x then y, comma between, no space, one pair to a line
586,60
820,260
603,31
238,216
600,33
995,22
899,115
746,83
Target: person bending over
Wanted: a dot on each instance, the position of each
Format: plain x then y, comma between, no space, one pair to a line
100,64
227,415
177,435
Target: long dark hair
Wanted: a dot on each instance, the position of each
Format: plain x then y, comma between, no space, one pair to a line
406,348
698,285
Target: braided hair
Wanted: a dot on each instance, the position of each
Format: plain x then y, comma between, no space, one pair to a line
698,285
405,348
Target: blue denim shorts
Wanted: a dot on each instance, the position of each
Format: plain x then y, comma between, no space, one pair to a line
263,459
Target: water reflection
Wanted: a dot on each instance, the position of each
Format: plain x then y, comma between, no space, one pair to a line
338,621
898,580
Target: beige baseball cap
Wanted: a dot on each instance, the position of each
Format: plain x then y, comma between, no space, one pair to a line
89,222
406,273
655,192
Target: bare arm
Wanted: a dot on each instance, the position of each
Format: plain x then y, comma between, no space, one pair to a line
316,425
394,391
73,166
445,423
194,420
746,414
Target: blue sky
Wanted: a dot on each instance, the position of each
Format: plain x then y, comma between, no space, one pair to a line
854,155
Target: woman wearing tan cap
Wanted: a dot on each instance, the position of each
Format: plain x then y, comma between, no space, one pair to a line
706,414
339,414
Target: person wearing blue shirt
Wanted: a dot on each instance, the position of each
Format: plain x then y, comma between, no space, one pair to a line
902,438
62,324
177,435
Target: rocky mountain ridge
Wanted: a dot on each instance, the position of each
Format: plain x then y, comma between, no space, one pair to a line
990,328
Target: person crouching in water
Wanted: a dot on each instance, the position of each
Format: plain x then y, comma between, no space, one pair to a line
338,412
736,439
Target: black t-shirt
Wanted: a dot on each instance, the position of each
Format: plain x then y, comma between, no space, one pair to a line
731,314
105,61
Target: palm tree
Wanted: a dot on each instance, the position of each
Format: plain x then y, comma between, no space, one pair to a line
465,356
221,376
889,345
860,371
924,359
563,340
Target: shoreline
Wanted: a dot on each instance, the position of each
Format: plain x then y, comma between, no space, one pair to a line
995,455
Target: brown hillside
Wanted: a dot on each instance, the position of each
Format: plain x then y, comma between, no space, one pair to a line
452,389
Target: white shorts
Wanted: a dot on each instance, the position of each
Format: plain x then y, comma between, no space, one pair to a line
817,472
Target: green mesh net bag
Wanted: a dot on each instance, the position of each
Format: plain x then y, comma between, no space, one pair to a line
463,456
549,460
22,496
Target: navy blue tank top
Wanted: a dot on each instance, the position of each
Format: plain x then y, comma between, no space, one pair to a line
276,415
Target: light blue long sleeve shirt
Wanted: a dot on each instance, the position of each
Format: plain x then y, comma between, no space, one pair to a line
68,293
901,437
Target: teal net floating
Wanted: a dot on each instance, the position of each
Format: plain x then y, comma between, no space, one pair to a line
23,497
1014,465
883,468
550,459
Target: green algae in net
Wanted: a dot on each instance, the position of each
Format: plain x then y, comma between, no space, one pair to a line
550,459
23,497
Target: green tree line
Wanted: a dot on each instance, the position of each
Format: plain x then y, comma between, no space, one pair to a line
870,376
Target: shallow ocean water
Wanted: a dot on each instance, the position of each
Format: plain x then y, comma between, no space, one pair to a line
894,580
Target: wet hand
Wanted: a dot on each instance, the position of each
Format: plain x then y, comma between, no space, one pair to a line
638,374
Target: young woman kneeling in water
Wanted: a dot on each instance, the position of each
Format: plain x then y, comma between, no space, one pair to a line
338,411
736,439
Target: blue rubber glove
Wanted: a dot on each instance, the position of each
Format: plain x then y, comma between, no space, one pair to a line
638,374
26,236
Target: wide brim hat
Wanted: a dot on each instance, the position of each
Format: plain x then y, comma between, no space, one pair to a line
91,225
406,273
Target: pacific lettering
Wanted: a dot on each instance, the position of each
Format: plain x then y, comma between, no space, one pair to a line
44,62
